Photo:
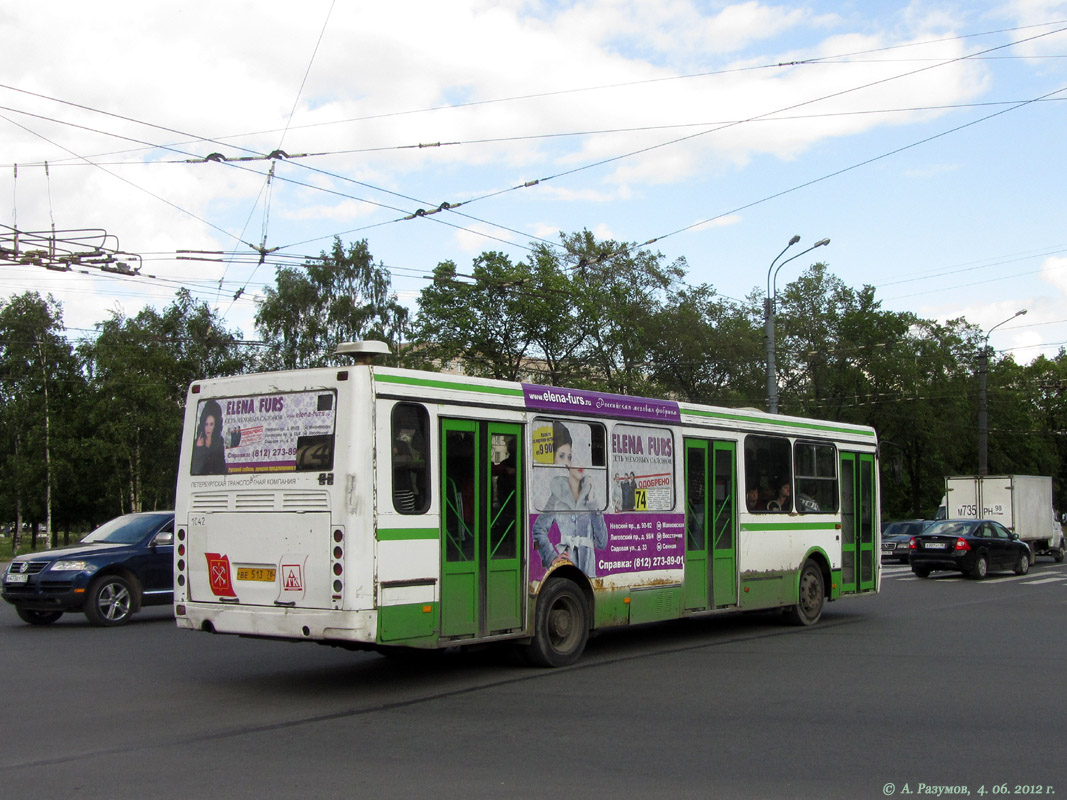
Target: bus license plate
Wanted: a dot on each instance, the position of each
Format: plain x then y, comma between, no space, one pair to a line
265,574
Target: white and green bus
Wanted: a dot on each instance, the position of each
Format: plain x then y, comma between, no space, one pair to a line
380,508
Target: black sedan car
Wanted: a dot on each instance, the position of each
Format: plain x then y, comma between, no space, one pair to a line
896,538
119,567
974,547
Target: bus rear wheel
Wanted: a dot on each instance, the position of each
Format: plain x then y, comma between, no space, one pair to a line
811,596
561,626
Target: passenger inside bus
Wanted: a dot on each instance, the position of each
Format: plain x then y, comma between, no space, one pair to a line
784,500
405,489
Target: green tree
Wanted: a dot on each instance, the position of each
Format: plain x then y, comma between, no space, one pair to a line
924,411
582,317
139,369
559,335
482,319
1018,416
38,381
1046,380
704,349
617,292
340,296
813,358
845,358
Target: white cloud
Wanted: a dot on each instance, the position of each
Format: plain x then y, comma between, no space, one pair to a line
1054,273
650,152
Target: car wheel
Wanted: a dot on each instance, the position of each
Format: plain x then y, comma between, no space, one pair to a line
1022,566
109,601
980,568
562,625
37,617
811,597
921,572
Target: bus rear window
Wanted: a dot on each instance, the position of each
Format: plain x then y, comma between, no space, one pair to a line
286,432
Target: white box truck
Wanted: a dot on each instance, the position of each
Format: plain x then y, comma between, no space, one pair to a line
1021,503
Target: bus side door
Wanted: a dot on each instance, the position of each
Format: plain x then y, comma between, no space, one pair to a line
710,524
481,491
858,559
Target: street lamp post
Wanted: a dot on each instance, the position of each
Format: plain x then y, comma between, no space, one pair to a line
768,333
983,411
768,319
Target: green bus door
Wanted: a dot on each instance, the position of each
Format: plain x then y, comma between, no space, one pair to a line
710,525
858,559
481,532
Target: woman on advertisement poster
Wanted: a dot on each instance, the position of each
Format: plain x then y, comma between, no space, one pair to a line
573,507
209,457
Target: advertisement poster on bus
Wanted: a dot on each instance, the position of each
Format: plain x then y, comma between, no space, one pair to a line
603,498
282,432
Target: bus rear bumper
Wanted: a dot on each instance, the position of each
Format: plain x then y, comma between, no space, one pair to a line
292,624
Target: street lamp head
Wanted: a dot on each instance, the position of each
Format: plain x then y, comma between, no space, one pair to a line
821,242
1021,313
793,241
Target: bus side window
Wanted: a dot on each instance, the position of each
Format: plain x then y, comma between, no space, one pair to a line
768,474
410,462
816,474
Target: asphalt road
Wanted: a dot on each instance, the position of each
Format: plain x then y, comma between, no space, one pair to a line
945,682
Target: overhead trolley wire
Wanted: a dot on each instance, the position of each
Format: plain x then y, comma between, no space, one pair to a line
453,207
528,184
262,249
910,73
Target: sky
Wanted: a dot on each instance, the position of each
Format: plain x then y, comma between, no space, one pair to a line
926,140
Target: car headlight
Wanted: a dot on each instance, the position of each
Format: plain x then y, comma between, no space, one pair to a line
73,566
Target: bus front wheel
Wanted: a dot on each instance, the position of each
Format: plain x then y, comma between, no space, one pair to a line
811,596
561,627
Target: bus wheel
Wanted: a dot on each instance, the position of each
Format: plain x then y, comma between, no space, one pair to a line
561,627
811,597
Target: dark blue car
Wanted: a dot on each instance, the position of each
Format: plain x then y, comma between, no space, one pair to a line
121,566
